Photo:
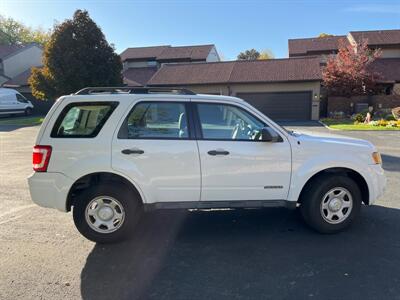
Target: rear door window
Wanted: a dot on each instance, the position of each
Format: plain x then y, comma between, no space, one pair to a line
83,119
156,120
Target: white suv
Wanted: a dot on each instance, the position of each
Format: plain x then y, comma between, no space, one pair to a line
111,153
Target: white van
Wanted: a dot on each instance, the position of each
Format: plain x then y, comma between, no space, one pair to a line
12,102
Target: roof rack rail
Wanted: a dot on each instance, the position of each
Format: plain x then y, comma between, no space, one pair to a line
134,90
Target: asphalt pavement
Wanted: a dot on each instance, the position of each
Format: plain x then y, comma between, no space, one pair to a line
222,254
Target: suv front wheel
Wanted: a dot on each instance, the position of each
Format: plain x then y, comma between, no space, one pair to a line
331,203
106,213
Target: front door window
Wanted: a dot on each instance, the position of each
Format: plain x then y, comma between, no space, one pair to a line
228,122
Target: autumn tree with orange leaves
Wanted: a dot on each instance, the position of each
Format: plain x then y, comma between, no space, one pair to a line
349,73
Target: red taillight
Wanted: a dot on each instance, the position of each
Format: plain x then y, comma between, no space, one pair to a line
40,158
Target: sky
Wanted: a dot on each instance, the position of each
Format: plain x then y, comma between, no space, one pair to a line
233,26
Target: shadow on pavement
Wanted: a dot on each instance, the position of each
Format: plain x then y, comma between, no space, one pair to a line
248,254
390,163
11,127
8,128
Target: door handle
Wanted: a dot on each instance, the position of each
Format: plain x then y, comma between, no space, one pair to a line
218,152
132,151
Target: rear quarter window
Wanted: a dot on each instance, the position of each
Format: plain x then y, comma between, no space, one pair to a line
83,119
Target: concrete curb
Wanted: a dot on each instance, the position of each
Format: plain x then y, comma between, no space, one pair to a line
327,127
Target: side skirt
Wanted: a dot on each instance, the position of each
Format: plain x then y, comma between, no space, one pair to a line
221,204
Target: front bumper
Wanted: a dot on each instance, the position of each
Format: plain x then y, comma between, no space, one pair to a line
377,183
49,189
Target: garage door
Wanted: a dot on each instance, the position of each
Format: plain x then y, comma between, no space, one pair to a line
281,106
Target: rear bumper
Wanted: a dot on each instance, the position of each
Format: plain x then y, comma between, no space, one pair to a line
49,189
377,183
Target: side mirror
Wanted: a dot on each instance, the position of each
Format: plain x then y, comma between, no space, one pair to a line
269,135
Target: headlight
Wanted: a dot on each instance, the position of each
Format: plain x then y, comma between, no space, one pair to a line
376,157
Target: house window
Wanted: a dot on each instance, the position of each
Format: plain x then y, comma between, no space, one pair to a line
152,63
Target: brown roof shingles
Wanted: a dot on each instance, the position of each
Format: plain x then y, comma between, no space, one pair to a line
186,52
195,73
142,52
274,70
377,37
138,76
313,45
19,80
199,52
6,50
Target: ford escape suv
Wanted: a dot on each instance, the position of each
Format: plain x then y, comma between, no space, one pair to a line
110,153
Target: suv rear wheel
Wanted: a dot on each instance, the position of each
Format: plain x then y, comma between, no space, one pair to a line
331,203
106,213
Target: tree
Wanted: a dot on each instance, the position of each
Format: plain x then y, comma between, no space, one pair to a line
348,73
324,35
266,54
13,32
76,56
251,54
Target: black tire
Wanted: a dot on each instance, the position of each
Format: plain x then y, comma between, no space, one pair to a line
312,198
28,111
130,202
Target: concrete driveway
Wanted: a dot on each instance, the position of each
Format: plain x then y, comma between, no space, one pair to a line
237,254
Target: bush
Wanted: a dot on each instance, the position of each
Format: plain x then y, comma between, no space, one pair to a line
392,124
382,122
390,118
374,123
359,118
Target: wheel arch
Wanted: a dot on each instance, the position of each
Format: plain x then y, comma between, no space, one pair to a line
356,176
96,178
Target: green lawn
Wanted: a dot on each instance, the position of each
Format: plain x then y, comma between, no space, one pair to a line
22,121
349,125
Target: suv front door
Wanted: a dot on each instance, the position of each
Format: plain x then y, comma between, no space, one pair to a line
235,163
156,149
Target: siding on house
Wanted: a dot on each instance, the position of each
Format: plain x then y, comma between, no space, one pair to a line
22,60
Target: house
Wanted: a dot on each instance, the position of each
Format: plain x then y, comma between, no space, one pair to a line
284,89
140,64
388,41
16,62
315,46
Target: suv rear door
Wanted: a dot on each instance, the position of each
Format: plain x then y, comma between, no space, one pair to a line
235,163
155,147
